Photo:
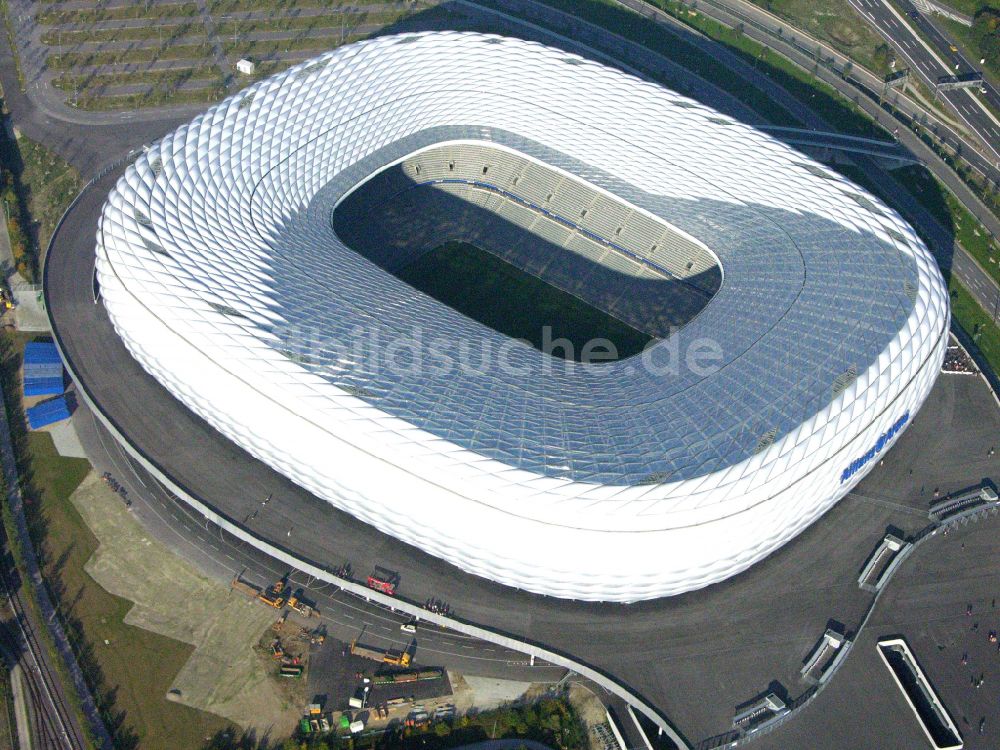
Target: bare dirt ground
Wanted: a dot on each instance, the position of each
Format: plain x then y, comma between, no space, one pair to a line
483,693
224,675
590,710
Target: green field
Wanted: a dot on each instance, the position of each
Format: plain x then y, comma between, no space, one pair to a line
976,322
487,289
837,23
51,183
130,677
969,7
947,209
135,672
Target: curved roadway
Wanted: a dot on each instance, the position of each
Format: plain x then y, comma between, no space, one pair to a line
724,643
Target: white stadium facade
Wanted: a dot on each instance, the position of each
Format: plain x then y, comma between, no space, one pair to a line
797,323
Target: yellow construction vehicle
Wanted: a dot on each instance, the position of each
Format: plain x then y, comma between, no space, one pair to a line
274,596
399,658
296,603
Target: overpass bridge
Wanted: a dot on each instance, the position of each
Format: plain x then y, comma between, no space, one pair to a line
821,140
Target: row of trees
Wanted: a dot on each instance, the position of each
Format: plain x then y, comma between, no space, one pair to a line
986,29
550,721
14,197
18,225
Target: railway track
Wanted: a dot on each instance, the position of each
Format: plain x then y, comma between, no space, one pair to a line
49,716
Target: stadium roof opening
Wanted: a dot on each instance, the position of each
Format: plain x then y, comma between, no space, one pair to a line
597,250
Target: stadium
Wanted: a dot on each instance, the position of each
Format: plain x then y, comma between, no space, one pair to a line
383,273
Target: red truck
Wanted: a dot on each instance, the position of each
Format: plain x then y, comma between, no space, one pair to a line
384,580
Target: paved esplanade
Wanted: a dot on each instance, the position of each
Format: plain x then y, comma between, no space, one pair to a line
694,657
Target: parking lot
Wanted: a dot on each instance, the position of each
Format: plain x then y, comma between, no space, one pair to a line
335,676
121,54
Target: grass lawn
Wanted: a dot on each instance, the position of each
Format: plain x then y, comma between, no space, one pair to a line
838,24
137,667
271,47
169,32
487,289
136,56
52,184
53,16
976,322
94,82
154,98
130,675
969,7
332,23
947,209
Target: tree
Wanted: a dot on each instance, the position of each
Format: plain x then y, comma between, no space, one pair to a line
883,57
986,31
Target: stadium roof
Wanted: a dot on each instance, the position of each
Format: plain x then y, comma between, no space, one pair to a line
221,271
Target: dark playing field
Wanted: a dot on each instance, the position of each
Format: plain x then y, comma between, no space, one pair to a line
490,290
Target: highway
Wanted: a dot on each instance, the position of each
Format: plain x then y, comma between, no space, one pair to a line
957,61
855,83
934,60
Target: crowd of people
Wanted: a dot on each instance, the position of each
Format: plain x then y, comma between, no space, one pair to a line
437,606
117,486
956,360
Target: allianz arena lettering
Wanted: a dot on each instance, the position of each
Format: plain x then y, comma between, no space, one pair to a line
883,439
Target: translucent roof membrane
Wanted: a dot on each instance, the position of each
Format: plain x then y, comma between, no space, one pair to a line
221,269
